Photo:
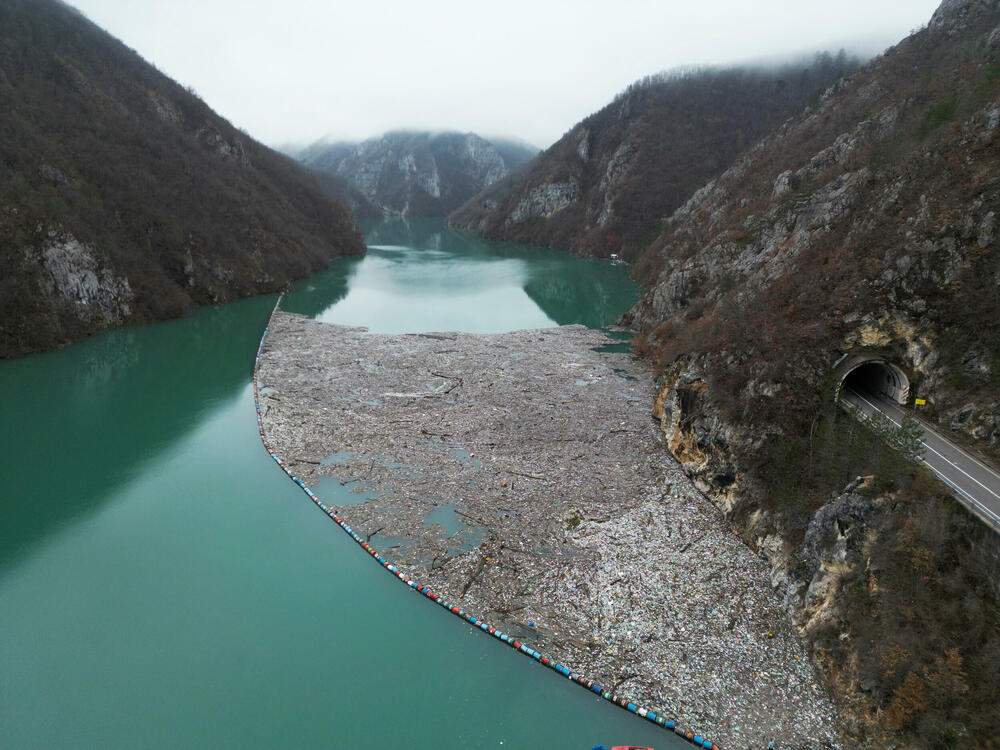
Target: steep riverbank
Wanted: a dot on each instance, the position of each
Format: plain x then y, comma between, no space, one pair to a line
124,199
520,475
865,227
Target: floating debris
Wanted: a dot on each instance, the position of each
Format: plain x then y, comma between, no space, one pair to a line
583,534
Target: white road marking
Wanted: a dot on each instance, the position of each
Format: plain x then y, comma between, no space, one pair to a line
946,479
994,518
935,433
972,458
930,448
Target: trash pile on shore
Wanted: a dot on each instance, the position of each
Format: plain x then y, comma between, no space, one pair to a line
522,476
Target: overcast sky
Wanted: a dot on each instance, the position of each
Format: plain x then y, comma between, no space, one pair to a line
294,71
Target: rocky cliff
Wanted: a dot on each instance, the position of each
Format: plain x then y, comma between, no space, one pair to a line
418,173
125,199
347,195
605,184
865,225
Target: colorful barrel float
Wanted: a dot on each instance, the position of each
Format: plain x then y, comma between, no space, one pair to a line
450,607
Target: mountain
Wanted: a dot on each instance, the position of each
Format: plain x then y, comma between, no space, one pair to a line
604,185
124,199
514,152
342,191
419,173
866,228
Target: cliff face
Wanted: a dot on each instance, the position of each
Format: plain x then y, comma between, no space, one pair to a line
418,174
125,199
605,184
867,224
347,195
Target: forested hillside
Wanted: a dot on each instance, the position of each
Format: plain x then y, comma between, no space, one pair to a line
867,225
346,194
603,186
125,199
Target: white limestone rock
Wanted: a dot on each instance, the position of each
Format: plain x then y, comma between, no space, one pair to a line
545,201
96,291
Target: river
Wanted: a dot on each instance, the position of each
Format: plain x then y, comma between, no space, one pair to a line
163,584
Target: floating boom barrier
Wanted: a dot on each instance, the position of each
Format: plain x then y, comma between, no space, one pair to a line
452,607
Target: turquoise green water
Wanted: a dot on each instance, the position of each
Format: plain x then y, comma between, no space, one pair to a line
163,584
420,276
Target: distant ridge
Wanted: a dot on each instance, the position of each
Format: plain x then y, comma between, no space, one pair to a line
125,199
602,187
418,173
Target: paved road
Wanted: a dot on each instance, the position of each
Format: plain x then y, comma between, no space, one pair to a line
972,481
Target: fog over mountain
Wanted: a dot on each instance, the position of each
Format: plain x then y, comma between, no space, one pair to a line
603,186
298,71
416,174
127,200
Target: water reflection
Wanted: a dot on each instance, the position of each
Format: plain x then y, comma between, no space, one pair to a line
188,595
315,294
97,411
420,275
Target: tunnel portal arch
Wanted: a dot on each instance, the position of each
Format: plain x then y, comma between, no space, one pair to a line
873,374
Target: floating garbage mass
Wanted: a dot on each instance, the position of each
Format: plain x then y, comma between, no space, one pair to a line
453,608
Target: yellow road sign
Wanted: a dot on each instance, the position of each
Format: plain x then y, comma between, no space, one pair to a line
920,401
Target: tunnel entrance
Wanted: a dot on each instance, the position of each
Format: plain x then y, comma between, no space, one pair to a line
875,376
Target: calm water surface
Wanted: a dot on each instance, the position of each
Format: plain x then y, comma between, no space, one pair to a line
421,276
162,584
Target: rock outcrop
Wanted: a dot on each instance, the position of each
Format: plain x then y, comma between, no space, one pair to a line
606,183
418,173
125,199
866,224
97,293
